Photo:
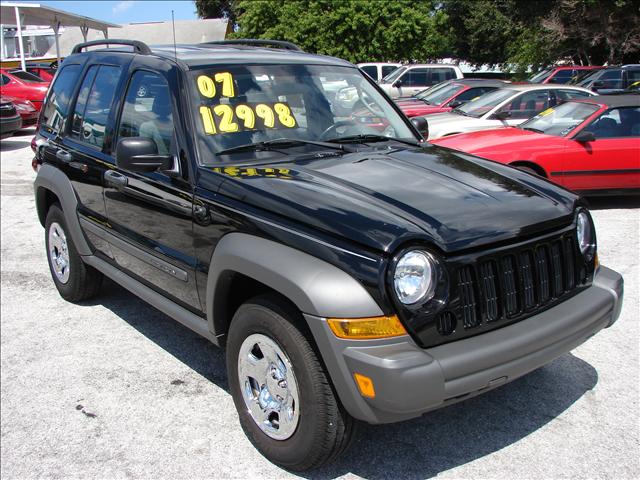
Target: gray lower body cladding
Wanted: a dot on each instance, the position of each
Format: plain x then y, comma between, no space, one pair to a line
410,381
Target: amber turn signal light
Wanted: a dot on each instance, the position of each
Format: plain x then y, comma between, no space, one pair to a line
365,385
366,328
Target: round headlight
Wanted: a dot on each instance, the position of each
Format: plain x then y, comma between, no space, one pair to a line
414,279
584,232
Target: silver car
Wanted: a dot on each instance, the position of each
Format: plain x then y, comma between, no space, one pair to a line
502,108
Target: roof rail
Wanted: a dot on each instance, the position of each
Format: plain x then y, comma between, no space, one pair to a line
138,46
252,42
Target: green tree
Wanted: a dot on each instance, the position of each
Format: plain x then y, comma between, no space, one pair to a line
351,29
217,9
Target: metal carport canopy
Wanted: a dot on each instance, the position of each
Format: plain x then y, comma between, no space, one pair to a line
36,14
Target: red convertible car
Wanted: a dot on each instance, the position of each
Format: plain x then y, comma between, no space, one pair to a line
446,96
24,85
591,146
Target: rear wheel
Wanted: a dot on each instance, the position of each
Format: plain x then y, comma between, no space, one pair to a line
74,279
284,399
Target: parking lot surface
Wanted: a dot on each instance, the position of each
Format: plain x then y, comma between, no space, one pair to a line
112,388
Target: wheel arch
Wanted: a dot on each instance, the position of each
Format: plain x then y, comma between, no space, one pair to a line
50,186
243,266
532,165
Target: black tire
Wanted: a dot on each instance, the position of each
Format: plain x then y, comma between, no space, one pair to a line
324,428
83,281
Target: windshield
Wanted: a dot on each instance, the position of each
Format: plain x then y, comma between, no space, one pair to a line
560,120
249,104
393,75
541,76
485,103
440,95
26,76
585,80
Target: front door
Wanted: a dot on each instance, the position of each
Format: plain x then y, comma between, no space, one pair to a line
150,214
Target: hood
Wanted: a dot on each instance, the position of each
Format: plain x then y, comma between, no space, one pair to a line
382,199
412,108
499,141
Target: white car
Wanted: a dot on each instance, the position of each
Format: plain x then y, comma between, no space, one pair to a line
378,70
411,79
502,108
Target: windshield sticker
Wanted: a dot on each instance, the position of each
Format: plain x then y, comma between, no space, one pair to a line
228,118
546,112
242,172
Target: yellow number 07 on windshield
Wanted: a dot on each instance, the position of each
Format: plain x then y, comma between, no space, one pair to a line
207,85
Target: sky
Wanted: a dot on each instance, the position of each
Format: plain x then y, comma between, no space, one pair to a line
127,11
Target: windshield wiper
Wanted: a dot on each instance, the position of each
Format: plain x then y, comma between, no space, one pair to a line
368,137
460,112
275,143
531,129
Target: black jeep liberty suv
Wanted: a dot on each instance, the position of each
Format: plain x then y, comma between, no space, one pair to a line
280,205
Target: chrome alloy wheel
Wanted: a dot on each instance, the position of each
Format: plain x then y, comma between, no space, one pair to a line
269,386
59,252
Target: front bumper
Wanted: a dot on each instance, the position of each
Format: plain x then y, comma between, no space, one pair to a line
410,380
8,125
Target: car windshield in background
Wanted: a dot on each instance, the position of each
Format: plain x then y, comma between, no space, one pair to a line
245,105
436,97
586,79
484,103
393,75
541,76
561,120
26,76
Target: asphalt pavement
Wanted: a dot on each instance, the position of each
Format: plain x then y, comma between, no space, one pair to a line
112,388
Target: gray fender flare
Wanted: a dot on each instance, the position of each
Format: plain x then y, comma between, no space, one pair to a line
53,179
313,285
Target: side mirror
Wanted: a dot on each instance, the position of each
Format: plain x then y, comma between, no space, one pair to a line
397,84
140,154
585,136
421,125
503,115
455,103
597,84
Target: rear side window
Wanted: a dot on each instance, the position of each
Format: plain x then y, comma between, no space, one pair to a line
5,80
94,104
371,70
54,113
633,76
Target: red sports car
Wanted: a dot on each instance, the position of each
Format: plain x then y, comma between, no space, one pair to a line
24,85
446,96
591,146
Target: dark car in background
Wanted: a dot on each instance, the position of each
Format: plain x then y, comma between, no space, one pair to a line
447,95
562,74
10,120
611,79
26,109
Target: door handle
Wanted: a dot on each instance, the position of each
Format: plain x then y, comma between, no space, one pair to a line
115,179
64,156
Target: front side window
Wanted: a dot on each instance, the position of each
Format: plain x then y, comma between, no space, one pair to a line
147,111
541,76
441,95
565,95
393,76
616,123
633,76
561,120
5,80
527,104
441,74
54,112
485,103
387,69
610,79
238,105
562,77
472,93
90,119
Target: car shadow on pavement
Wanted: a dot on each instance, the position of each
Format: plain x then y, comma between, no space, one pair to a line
418,448
12,145
613,202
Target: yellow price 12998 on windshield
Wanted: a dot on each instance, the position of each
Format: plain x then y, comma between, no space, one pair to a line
226,118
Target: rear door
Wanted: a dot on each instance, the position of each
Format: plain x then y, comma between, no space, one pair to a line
612,161
150,214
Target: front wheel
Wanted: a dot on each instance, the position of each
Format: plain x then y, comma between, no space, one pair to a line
284,399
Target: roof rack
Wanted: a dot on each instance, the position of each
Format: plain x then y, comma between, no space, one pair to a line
257,43
138,46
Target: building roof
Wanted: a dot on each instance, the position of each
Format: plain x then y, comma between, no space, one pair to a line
36,14
151,33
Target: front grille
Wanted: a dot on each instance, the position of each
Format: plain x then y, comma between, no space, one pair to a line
516,283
